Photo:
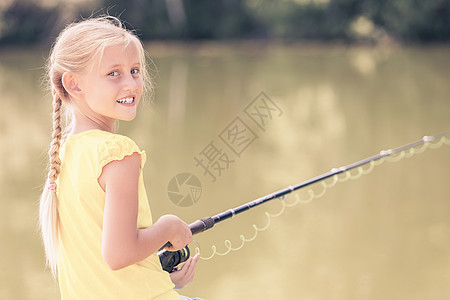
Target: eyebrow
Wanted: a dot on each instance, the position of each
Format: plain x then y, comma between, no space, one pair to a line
120,65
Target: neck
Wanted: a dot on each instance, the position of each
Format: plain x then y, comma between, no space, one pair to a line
83,122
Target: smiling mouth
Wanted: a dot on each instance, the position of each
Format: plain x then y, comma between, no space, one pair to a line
127,100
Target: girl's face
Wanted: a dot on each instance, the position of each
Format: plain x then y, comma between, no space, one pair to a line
112,89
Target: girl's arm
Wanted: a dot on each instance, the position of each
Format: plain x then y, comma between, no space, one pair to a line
123,244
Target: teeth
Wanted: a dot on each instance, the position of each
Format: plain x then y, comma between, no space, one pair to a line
126,100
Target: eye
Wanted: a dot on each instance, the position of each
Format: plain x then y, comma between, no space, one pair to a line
135,71
113,73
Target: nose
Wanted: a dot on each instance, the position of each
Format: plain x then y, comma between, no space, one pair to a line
131,84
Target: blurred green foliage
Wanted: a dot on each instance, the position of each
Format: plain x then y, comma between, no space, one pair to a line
186,19
27,21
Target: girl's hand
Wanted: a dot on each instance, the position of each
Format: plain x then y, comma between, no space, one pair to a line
179,232
185,276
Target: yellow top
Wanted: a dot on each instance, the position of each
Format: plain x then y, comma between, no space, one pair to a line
82,271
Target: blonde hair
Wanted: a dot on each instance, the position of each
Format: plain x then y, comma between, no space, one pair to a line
75,49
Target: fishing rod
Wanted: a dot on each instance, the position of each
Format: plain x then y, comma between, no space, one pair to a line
170,259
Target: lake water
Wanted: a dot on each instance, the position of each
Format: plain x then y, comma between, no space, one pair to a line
247,120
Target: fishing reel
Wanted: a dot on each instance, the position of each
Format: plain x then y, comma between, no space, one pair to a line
170,259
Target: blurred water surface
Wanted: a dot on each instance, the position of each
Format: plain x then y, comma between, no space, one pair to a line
383,236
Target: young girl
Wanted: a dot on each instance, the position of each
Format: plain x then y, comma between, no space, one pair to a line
95,219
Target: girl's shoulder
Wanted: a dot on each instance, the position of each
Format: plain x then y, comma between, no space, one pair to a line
116,144
102,139
105,146
115,147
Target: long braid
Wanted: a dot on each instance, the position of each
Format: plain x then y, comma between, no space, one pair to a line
55,162
48,213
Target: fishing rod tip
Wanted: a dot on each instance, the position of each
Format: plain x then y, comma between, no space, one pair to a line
386,152
338,170
428,138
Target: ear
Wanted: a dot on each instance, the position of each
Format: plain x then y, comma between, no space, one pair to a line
71,85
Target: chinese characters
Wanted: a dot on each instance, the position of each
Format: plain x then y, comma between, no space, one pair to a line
220,153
